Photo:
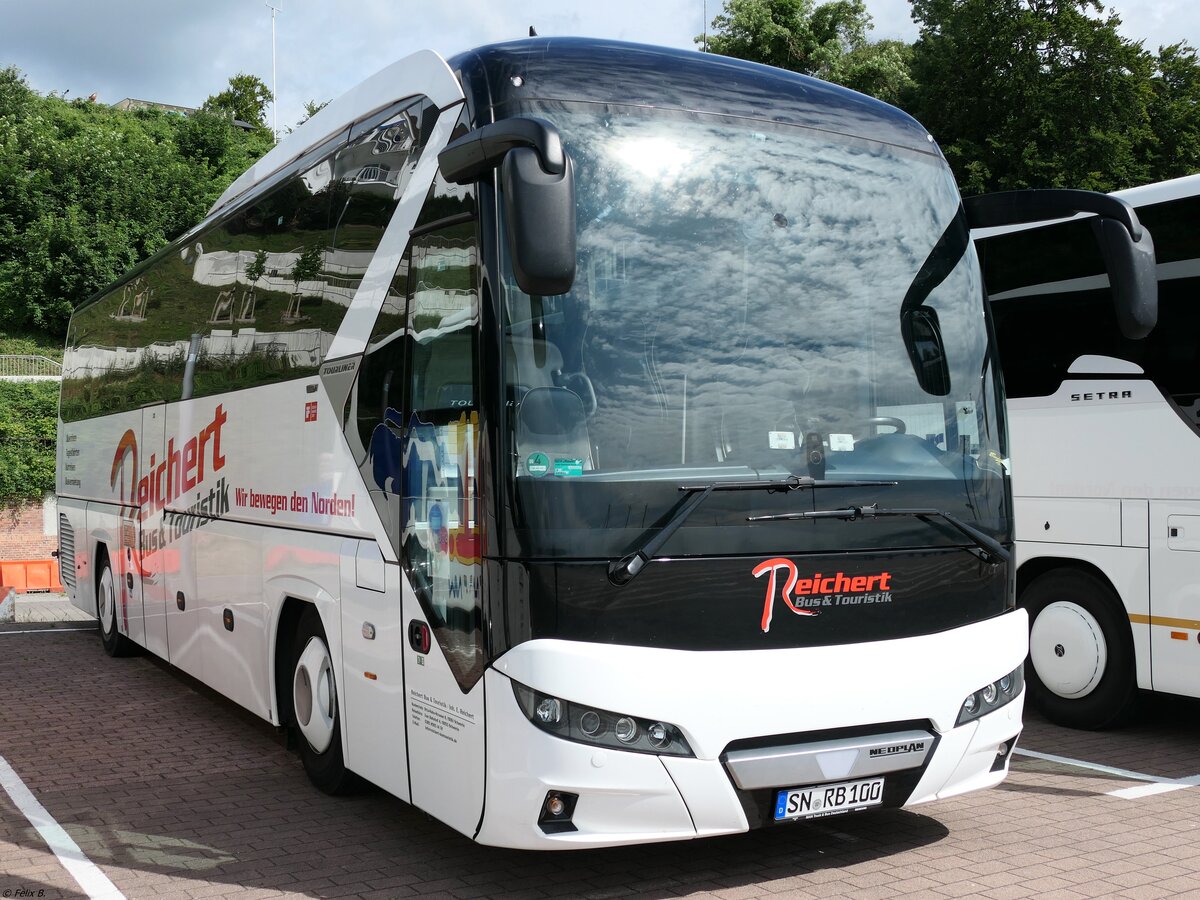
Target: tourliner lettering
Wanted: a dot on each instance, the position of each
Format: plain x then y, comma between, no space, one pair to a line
802,595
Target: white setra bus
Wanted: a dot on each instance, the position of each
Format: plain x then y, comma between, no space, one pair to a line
587,443
1105,436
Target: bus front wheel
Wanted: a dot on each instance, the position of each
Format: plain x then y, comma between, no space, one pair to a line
1081,668
315,707
115,643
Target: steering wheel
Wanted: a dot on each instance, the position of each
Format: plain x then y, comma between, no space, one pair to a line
890,421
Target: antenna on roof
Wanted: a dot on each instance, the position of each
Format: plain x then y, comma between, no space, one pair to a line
532,31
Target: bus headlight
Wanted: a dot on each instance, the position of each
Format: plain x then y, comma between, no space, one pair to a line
600,727
991,697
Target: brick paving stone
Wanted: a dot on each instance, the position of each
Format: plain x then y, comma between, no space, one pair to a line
175,792
1146,892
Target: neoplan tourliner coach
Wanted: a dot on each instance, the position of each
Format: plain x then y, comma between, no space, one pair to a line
587,443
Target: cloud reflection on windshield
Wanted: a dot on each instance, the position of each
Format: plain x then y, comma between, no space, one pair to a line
742,283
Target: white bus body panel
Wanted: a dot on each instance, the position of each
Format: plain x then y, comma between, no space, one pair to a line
373,674
1103,469
1175,580
759,693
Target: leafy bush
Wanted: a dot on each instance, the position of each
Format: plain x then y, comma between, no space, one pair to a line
87,192
28,419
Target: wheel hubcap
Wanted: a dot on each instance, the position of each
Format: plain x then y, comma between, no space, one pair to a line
1068,650
313,695
107,602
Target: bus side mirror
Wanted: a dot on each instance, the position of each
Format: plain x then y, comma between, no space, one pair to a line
539,207
923,339
538,182
1127,247
1132,276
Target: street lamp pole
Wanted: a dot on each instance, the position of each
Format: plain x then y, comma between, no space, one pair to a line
274,88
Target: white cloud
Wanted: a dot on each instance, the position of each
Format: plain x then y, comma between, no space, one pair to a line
182,52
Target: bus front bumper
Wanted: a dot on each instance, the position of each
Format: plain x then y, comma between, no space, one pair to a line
618,797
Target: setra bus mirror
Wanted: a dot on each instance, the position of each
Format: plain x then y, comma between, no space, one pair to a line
1127,247
537,180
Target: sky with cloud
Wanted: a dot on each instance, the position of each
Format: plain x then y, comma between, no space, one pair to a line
180,53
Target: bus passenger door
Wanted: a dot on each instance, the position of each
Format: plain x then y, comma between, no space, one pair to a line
1175,596
444,649
443,632
443,665
149,562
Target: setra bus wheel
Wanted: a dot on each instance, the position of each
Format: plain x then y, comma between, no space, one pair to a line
315,707
115,643
1080,671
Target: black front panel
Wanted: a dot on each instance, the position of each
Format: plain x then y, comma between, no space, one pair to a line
721,604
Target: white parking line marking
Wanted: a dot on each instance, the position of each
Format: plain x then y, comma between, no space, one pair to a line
1147,790
1155,784
46,630
94,882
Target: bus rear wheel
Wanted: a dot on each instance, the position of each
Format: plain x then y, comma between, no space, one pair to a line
115,643
315,707
1081,664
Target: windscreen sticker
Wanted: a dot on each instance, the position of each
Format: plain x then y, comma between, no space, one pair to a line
841,442
781,440
537,464
568,468
806,596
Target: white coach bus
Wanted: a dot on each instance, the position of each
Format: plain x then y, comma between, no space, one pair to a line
587,443
1105,436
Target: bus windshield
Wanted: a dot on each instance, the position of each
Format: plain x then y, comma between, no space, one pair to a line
736,316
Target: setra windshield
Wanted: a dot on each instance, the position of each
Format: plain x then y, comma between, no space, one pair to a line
736,316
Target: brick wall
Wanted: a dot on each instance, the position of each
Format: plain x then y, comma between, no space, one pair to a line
23,530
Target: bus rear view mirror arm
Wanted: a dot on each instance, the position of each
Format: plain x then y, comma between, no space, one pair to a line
1127,247
538,184
469,158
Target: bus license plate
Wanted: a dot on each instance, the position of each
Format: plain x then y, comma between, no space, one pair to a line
827,799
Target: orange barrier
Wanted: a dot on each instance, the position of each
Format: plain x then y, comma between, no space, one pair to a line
30,575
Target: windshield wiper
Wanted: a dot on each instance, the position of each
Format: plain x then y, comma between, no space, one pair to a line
992,550
624,569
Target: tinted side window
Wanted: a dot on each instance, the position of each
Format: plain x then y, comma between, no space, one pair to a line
262,293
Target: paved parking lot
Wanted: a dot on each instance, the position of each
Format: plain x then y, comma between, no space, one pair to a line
172,792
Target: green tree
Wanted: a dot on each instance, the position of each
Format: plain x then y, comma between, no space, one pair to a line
1175,112
882,69
257,268
14,92
790,34
1033,93
246,99
306,268
311,108
87,191
28,421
